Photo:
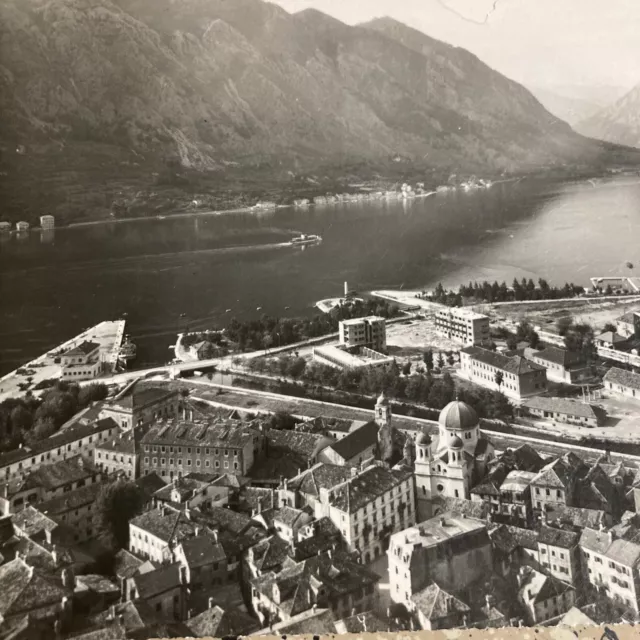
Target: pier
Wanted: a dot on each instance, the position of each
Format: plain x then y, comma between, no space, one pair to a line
109,335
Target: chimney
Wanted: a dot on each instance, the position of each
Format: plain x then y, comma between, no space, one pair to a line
121,620
5,491
215,536
162,511
354,472
314,608
253,513
47,535
187,514
54,552
211,605
443,522
112,612
611,535
601,527
68,579
190,415
299,470
353,611
197,531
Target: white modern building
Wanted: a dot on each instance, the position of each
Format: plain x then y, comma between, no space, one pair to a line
463,325
364,332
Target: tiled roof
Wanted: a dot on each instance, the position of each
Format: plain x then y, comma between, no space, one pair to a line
556,355
612,337
231,434
288,516
164,524
258,498
434,603
128,442
566,406
577,517
356,442
71,500
628,318
509,364
150,483
320,476
25,588
31,521
318,622
202,550
541,587
271,554
97,583
619,550
517,480
60,439
623,378
157,582
367,622
137,396
325,536
83,349
507,538
558,537
125,564
223,518
461,507
220,623
492,482
561,472
368,485
576,618
302,444
135,615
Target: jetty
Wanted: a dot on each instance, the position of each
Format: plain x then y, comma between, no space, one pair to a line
31,376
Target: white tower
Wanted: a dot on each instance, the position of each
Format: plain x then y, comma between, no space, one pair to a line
383,411
346,288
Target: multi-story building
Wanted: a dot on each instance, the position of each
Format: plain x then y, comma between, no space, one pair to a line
612,563
559,553
305,488
515,497
555,485
80,439
139,404
120,455
357,447
328,580
205,560
193,491
621,382
565,410
543,596
436,609
164,590
450,463
82,362
176,448
369,507
451,550
75,509
562,365
368,332
463,325
47,222
46,482
628,325
519,377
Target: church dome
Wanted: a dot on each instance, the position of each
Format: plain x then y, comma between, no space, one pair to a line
423,438
382,399
458,416
456,443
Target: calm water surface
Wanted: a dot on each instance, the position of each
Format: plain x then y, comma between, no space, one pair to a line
53,286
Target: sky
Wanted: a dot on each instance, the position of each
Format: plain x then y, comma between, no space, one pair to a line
592,44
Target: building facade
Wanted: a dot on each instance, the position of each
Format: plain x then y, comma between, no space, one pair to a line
561,365
364,332
451,550
559,553
519,377
623,383
463,326
81,363
565,410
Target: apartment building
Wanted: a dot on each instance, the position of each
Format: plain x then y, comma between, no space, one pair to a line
79,439
562,365
47,222
176,448
368,332
520,378
555,484
463,325
612,562
120,455
47,482
451,550
559,553
369,507
139,404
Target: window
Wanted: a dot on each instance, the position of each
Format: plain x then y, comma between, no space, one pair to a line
207,463
226,452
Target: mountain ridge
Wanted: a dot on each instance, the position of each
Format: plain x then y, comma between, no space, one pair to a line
119,95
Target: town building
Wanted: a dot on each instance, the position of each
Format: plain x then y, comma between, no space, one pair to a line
46,482
357,447
205,560
611,560
82,362
177,447
120,455
437,609
565,410
368,332
561,364
555,485
339,357
47,222
628,325
621,382
5,226
194,491
74,509
22,226
519,378
450,463
164,589
559,553
513,547
305,488
78,439
463,325
611,340
543,596
216,622
329,580
138,404
452,551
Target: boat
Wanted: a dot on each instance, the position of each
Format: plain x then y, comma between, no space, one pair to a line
304,239
127,350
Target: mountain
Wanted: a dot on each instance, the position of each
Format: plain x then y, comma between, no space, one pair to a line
104,99
619,123
570,109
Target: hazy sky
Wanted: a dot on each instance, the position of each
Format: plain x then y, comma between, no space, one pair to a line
536,42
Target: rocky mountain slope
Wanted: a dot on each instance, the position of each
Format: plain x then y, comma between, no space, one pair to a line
619,123
107,93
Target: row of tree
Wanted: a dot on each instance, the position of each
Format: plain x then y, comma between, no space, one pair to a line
30,419
267,331
486,292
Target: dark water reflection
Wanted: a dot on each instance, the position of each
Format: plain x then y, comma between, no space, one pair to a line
54,285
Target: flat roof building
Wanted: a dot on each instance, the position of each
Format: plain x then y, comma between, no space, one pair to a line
364,332
463,325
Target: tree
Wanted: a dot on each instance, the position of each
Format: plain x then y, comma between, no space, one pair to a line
440,361
499,378
609,327
451,360
406,368
117,503
42,429
563,324
427,358
283,420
